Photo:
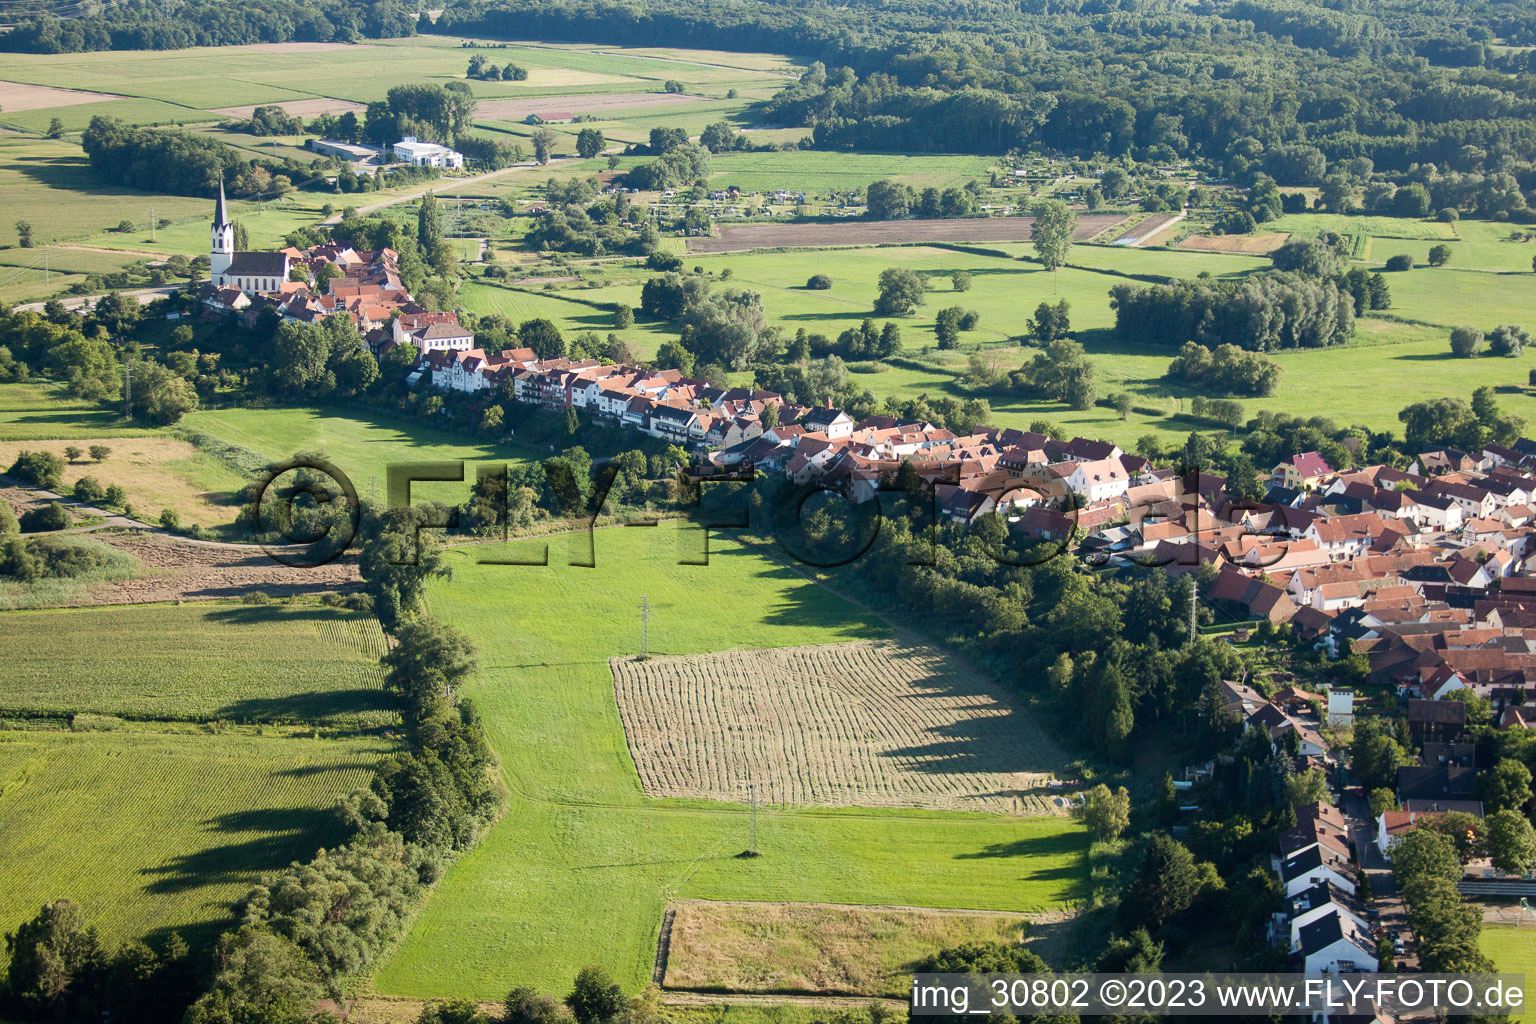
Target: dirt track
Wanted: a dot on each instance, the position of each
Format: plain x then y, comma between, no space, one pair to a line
736,237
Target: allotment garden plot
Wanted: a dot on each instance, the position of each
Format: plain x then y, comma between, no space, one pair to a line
873,723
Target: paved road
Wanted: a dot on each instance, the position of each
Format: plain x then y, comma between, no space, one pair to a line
144,295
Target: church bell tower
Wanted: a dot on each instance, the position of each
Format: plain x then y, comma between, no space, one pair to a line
223,238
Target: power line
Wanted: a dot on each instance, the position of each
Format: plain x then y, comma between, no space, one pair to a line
645,627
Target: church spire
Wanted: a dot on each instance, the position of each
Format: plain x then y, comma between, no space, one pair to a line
220,214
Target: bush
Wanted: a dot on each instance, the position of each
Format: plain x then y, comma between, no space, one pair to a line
89,490
52,516
99,452
9,525
819,282
256,597
1402,261
1465,342
1508,340
169,519
73,452
1439,255
1448,215
116,496
40,469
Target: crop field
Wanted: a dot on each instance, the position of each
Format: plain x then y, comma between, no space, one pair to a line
195,662
583,845
1513,951
214,79
736,237
179,825
156,472
563,108
875,724
822,173
816,949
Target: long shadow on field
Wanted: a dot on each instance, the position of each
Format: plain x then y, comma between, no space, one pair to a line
313,706
290,834
246,615
1066,845
986,744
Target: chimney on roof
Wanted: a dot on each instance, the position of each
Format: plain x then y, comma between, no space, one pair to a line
829,402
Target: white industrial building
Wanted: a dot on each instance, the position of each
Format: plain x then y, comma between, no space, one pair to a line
426,154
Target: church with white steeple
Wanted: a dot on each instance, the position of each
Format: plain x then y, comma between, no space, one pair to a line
251,272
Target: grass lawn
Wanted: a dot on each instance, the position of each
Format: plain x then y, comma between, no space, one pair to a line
197,662
581,866
151,832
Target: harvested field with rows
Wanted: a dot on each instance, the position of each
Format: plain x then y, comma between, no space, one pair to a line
880,724
735,237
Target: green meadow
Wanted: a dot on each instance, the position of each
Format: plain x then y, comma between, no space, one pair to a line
180,825
580,845
43,410
197,662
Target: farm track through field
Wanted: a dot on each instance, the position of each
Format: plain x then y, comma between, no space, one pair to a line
855,724
737,237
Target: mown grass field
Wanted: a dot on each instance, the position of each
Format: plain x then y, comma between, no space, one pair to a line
195,662
151,832
581,846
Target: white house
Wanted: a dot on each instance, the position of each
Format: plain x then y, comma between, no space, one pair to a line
426,154
1337,944
1098,480
1314,866
1317,913
1341,707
